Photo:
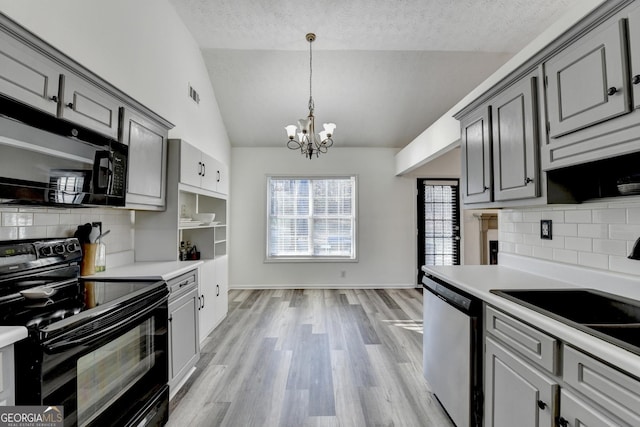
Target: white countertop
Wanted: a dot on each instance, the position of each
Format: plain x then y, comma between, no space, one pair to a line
11,334
479,280
165,270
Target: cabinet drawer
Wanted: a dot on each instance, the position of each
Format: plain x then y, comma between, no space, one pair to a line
536,346
612,389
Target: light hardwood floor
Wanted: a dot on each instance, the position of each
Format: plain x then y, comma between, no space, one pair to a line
312,358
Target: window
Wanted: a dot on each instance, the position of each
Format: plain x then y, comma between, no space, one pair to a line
311,218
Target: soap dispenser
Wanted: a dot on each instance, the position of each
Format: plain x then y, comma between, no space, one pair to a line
635,253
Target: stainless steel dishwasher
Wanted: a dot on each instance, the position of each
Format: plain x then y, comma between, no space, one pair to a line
452,350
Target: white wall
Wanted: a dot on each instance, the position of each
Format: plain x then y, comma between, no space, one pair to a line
386,224
596,235
141,47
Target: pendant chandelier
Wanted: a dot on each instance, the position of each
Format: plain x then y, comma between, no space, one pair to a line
307,141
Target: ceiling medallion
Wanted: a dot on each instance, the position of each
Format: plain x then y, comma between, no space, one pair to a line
307,141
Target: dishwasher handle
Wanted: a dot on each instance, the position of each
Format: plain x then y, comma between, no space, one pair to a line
452,296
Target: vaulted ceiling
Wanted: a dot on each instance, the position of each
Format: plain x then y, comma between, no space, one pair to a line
383,70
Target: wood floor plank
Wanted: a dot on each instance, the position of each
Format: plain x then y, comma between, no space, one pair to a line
334,357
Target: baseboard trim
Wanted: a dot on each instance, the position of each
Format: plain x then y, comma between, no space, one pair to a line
326,286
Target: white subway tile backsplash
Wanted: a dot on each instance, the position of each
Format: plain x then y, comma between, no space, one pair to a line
532,216
564,229
556,242
12,219
30,222
624,232
544,253
524,228
589,259
46,219
609,216
578,216
593,230
8,233
565,255
609,247
597,235
555,216
633,216
578,243
524,250
32,232
624,265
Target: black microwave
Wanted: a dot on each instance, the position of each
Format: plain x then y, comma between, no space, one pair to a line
48,161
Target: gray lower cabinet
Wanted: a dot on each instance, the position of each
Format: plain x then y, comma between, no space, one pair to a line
524,388
147,174
184,345
516,393
514,112
7,376
475,143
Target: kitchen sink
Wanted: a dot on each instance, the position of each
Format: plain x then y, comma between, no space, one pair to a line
610,317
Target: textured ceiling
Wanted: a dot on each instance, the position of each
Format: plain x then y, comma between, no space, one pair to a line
383,70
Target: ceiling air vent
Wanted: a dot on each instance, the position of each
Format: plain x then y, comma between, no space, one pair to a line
195,96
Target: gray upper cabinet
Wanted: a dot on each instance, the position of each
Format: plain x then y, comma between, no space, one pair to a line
587,83
634,53
28,76
515,142
89,106
147,174
476,156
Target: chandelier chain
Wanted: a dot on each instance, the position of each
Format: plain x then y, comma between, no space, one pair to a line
311,106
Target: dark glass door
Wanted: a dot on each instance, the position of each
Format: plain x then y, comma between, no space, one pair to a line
438,223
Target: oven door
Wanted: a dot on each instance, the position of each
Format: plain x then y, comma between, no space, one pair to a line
109,370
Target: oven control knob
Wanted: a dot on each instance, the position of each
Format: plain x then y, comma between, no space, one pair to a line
72,247
58,249
46,251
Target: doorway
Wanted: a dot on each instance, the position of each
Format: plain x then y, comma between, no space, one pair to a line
438,223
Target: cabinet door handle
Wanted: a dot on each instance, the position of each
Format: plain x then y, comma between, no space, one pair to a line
199,168
636,79
218,178
53,98
199,303
217,290
612,91
485,188
541,404
204,169
202,301
563,422
70,105
527,180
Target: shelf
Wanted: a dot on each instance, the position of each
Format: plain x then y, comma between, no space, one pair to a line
191,227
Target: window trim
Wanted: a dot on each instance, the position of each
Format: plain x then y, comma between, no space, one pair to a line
306,258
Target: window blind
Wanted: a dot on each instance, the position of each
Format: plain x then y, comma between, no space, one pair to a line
311,217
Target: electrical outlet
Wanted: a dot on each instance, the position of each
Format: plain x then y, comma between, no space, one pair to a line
545,229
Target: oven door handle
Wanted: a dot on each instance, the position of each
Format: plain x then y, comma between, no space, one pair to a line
62,343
